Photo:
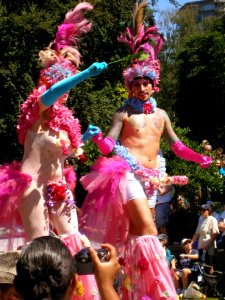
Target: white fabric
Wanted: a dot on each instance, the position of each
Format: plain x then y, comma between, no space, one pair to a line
206,228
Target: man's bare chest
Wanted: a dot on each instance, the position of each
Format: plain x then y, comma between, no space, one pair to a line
145,122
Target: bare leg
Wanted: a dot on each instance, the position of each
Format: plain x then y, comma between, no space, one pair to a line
176,279
64,219
185,276
141,220
34,213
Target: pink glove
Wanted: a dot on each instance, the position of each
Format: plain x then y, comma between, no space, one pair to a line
186,153
105,145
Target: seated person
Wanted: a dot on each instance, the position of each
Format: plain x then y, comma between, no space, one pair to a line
185,265
7,273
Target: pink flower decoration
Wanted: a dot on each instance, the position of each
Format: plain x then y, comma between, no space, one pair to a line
143,264
147,108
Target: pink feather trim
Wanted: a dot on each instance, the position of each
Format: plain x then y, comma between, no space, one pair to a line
75,24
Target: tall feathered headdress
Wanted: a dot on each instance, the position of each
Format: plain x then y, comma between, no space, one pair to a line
141,40
62,58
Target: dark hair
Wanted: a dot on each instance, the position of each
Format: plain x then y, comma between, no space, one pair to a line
44,270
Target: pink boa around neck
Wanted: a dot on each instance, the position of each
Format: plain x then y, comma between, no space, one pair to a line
60,118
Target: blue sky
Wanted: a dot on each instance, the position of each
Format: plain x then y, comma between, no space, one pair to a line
165,4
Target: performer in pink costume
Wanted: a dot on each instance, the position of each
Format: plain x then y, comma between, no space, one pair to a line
37,192
116,209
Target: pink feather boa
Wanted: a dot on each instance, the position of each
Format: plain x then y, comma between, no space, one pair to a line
60,118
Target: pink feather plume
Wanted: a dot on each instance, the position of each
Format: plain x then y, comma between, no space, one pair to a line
74,25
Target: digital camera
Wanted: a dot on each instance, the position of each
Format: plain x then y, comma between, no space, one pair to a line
83,260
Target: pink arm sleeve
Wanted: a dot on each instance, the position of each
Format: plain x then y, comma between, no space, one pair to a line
105,145
186,153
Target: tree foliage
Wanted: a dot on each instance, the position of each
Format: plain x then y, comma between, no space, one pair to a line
26,27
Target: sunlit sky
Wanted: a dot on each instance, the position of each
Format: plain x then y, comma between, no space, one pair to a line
165,4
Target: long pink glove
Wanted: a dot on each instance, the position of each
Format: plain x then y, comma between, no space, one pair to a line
186,153
105,145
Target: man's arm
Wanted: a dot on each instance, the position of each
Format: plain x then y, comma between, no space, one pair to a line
106,144
180,149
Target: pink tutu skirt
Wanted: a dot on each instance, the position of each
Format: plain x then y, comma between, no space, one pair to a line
13,183
102,217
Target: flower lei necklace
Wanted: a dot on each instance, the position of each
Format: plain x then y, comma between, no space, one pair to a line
150,178
148,107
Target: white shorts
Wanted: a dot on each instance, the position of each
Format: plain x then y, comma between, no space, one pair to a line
135,190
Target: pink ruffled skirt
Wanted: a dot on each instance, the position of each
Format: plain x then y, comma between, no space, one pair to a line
146,274
13,183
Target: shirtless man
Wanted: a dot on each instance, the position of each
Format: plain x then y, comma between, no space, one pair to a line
140,133
116,208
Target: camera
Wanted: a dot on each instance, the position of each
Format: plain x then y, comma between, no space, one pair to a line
83,260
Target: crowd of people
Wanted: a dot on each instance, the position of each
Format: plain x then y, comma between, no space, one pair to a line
128,193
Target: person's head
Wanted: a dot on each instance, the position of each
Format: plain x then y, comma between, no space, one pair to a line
45,270
180,200
206,210
144,43
212,205
163,238
142,88
207,148
223,163
186,244
218,163
7,274
55,67
219,152
61,59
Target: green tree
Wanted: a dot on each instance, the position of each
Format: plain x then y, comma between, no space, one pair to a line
201,81
27,27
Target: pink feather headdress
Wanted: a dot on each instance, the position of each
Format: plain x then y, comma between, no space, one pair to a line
141,40
62,58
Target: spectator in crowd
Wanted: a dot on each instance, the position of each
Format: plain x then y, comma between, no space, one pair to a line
7,274
207,148
185,265
46,270
163,238
222,168
213,210
218,163
219,152
221,224
181,202
206,233
164,196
